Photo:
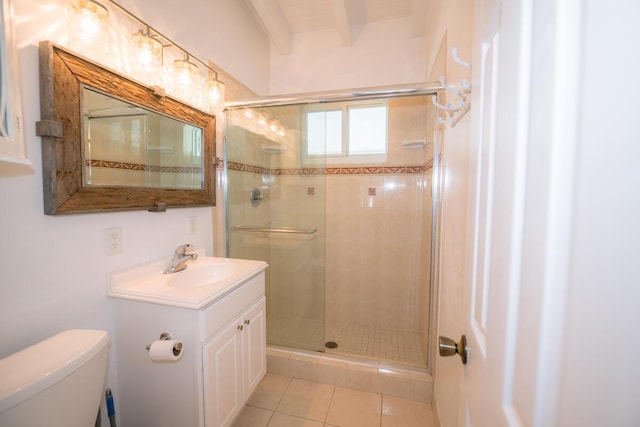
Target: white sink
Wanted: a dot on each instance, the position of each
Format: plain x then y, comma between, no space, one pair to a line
203,281
204,272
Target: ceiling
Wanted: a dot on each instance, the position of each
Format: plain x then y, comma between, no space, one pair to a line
282,19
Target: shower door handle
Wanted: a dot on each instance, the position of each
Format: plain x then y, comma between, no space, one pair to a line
449,347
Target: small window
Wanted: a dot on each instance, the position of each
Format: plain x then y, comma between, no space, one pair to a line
324,133
367,130
352,132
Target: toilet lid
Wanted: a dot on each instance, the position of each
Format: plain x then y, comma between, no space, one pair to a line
35,368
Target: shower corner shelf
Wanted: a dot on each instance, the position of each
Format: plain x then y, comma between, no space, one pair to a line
274,148
414,144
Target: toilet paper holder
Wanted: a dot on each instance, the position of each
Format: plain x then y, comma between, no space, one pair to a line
177,349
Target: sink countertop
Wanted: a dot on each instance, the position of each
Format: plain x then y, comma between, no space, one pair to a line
147,283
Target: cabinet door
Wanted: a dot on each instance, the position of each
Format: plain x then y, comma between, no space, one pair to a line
255,345
223,381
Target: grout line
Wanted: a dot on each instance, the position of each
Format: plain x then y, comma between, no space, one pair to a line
283,393
333,393
270,418
381,408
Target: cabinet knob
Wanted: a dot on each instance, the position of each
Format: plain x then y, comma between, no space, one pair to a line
240,327
247,321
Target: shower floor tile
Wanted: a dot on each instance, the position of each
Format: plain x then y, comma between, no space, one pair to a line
376,343
355,340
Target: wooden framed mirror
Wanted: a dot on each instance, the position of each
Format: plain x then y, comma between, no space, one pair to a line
110,143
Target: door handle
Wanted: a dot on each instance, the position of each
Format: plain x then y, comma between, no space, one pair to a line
449,347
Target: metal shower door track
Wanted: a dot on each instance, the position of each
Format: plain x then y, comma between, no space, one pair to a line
426,88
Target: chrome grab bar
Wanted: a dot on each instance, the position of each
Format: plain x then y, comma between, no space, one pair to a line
288,230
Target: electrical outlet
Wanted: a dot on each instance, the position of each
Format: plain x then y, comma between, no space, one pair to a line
112,241
193,225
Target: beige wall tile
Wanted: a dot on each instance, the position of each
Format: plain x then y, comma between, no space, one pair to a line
278,364
332,372
393,384
303,368
363,378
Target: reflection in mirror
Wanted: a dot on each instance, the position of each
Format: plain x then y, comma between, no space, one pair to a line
127,145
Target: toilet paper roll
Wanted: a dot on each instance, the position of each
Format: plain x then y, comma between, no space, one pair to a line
165,350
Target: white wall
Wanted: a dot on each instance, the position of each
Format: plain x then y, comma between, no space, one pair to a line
53,270
382,53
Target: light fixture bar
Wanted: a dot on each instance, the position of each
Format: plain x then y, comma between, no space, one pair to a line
164,38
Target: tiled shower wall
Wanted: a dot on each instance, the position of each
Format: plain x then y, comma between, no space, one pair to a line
370,256
376,263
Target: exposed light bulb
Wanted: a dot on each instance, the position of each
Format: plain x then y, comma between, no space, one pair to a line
185,78
88,27
147,51
89,24
215,93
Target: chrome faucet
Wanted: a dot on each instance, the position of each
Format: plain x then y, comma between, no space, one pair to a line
180,258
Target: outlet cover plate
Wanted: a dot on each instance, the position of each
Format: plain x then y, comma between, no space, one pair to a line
112,241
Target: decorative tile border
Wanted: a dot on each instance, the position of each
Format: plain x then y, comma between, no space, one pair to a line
241,167
361,170
141,167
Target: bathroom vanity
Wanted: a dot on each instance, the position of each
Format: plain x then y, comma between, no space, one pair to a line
216,309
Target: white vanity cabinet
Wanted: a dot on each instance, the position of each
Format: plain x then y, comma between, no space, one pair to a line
234,362
224,356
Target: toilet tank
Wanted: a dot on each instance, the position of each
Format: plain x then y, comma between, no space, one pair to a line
56,382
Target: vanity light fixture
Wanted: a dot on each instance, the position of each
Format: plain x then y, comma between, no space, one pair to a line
188,79
146,50
185,77
88,25
215,92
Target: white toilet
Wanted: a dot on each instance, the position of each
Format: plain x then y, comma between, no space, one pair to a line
56,382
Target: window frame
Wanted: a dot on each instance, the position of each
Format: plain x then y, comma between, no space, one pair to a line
12,144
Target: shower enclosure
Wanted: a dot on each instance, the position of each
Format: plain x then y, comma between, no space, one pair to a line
342,213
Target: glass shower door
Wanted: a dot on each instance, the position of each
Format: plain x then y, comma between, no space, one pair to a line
276,213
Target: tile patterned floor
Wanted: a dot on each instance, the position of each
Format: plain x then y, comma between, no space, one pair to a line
376,343
357,340
281,401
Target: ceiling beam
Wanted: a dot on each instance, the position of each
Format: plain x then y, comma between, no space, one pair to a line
418,18
342,20
274,22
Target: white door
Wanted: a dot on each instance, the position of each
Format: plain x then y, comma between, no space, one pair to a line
519,198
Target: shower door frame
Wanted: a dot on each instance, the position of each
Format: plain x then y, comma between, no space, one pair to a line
383,92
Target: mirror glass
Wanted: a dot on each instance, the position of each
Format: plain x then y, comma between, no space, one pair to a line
128,145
